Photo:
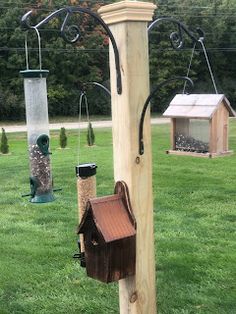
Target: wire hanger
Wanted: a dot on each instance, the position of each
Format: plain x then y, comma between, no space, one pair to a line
39,49
207,61
208,64
82,100
189,67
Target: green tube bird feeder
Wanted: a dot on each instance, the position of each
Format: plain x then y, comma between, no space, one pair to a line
35,91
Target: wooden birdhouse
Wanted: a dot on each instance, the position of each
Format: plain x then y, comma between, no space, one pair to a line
108,228
199,124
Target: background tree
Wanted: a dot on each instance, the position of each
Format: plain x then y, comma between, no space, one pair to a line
90,135
4,147
63,138
72,65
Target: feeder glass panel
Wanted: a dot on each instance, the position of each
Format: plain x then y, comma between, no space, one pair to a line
192,135
35,89
36,108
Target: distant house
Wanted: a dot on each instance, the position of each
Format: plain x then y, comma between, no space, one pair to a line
199,124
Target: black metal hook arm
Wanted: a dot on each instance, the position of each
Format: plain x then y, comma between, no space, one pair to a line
74,30
176,38
102,87
147,102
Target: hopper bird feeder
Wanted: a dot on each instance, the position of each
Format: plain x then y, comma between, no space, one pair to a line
199,124
108,227
35,91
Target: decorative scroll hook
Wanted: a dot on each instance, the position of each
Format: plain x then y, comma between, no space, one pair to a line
176,38
68,11
147,102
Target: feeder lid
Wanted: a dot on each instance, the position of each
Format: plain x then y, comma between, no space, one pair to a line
34,73
85,170
197,106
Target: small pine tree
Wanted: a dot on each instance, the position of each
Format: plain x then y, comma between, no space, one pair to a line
90,135
4,148
63,138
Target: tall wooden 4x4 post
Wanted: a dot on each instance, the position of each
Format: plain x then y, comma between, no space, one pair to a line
128,23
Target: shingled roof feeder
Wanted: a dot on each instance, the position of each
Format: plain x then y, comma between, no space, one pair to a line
35,90
199,124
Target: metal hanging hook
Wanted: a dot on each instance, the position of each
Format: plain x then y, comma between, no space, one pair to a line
74,29
39,46
39,49
26,52
147,103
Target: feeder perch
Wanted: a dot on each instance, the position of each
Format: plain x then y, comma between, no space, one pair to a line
35,91
199,124
109,231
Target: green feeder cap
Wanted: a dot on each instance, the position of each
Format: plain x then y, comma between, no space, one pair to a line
34,73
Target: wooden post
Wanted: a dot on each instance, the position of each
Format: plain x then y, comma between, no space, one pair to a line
128,23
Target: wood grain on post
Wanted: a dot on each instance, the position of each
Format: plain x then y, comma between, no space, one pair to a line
128,23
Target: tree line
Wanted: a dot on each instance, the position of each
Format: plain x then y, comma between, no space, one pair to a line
71,67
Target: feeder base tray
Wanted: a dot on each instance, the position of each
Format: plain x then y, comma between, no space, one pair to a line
195,154
43,198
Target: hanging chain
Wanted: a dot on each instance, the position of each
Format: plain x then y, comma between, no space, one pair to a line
208,64
189,66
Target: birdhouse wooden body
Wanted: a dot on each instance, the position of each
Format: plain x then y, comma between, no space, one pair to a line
108,228
199,124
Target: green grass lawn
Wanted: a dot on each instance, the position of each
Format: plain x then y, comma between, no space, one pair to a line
194,220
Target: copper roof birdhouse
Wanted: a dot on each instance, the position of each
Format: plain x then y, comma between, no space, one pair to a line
108,227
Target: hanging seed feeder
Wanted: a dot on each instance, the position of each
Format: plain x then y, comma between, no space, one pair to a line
35,90
86,185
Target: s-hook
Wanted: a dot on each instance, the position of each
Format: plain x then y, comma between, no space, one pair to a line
147,102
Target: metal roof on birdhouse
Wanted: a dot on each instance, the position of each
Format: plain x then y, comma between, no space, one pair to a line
197,106
110,216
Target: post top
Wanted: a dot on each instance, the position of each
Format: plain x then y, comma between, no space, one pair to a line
127,10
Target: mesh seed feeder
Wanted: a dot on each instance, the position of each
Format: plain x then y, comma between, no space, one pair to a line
86,189
35,90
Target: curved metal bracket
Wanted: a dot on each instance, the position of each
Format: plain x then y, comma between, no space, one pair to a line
176,38
147,102
104,88
73,31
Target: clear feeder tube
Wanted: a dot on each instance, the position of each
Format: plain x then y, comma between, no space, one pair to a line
35,90
86,188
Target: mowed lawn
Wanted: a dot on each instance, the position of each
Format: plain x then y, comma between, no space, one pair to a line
194,225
